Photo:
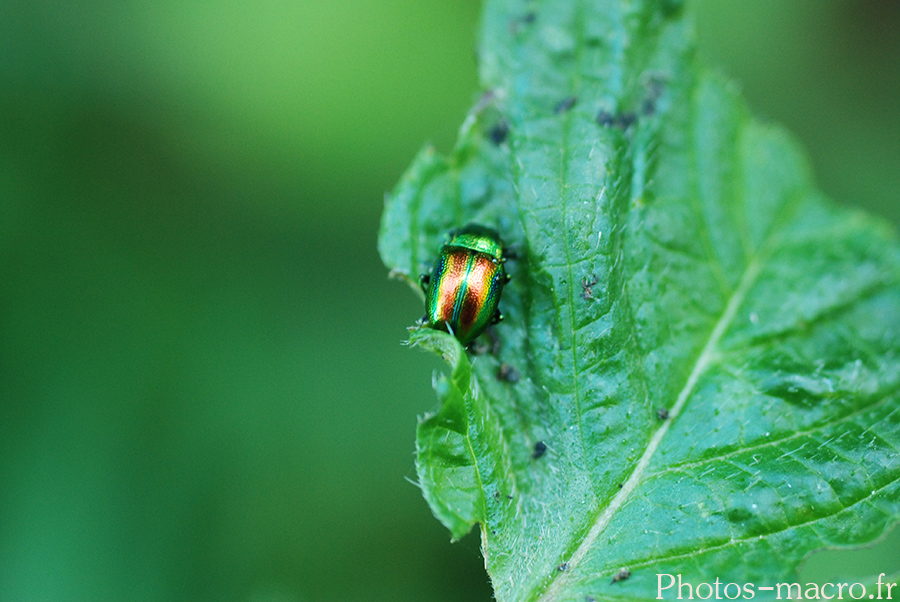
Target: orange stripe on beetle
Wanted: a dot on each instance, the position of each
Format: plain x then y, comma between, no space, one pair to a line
462,293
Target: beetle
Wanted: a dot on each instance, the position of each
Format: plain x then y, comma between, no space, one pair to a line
463,290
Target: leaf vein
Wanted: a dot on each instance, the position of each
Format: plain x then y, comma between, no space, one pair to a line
795,435
650,560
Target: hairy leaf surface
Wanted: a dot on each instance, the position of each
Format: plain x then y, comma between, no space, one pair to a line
707,347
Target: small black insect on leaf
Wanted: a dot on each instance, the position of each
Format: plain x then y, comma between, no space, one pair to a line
540,448
498,132
662,413
563,567
565,104
606,119
587,283
507,373
621,575
654,84
621,121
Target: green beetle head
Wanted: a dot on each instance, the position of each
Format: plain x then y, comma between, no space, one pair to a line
478,238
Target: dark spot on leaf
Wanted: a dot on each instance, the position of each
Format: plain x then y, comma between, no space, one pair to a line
507,373
654,85
621,121
621,485
563,567
499,132
590,599
606,119
565,104
540,448
626,120
662,413
529,17
622,575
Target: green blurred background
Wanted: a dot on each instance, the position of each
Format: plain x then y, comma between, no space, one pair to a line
203,392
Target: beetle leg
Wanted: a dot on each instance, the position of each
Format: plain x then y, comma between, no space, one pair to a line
424,281
507,277
498,317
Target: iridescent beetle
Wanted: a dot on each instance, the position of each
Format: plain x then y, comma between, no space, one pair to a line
463,290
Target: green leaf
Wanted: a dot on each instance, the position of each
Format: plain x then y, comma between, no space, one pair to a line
673,255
